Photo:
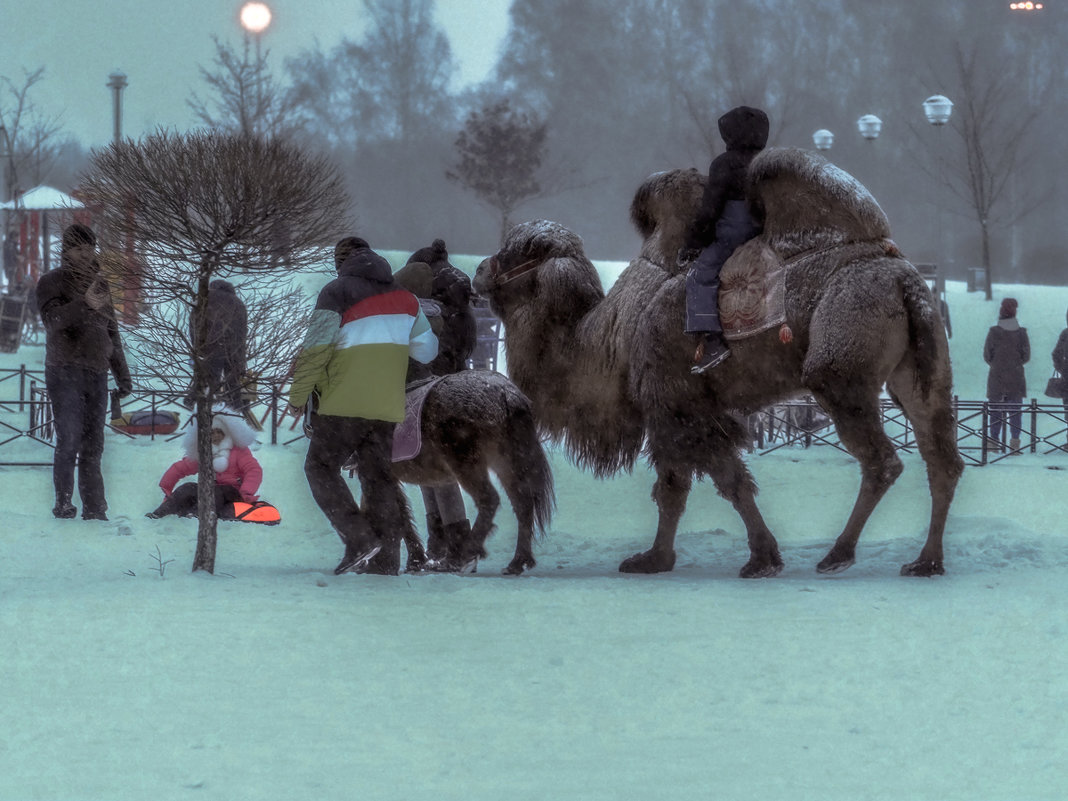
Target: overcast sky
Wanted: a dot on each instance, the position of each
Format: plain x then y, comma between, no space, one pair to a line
159,46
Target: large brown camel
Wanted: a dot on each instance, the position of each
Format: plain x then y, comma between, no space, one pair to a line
609,375
478,421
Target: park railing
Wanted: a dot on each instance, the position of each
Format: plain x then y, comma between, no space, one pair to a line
27,432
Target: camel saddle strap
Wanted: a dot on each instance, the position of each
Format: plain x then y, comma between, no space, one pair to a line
407,436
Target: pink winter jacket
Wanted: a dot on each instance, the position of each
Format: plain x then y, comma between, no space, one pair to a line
243,472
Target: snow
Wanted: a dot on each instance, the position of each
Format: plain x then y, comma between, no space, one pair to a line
275,679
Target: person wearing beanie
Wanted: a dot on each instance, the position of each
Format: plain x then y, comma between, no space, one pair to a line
1007,350
237,473
724,221
452,291
351,371
82,345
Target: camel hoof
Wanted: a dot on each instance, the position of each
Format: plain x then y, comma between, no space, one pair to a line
518,565
830,566
648,562
762,569
923,568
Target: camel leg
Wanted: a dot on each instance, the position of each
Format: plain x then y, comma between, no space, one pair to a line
670,491
936,436
524,546
860,428
735,483
477,484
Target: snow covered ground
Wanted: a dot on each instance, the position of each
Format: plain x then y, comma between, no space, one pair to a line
274,679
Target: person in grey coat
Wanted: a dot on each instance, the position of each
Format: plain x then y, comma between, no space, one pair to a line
1060,364
1007,350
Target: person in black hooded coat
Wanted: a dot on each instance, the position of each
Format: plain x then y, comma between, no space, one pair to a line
82,345
225,345
452,291
724,221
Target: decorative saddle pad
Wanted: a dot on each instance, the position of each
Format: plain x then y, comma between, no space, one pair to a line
752,291
407,436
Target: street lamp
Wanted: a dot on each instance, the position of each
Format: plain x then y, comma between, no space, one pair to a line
869,126
255,17
116,83
823,139
937,109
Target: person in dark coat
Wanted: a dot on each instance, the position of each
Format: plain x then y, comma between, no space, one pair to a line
452,291
225,343
352,369
1060,364
81,345
724,221
1007,350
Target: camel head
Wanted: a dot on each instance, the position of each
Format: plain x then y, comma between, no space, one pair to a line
663,207
540,263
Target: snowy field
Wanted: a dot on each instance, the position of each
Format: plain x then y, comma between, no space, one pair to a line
275,679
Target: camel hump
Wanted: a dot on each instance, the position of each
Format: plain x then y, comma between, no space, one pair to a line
809,202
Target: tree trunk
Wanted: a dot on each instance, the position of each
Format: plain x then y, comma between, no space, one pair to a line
207,535
988,279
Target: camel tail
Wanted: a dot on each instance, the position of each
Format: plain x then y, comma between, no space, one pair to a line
530,466
924,322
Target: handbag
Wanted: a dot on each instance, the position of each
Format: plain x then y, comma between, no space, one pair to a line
1055,386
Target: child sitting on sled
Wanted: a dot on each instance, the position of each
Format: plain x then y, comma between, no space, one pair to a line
237,473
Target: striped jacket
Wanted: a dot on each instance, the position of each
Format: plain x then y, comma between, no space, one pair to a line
355,355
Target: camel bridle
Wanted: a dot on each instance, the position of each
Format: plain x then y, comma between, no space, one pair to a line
512,273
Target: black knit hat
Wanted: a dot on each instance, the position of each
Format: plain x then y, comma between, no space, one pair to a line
77,234
431,255
346,247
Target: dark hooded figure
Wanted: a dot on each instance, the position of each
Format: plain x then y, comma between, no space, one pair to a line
452,291
82,345
724,221
224,347
1007,349
1060,364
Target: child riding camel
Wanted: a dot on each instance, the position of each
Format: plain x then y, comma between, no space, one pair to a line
237,473
724,221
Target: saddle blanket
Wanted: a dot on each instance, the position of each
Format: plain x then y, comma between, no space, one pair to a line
407,436
752,291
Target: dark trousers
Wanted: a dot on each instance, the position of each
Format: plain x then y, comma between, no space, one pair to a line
79,399
183,501
735,226
385,507
1001,409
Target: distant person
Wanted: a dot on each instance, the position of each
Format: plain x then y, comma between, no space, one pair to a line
81,345
1060,364
452,290
237,472
352,369
225,345
1007,350
724,221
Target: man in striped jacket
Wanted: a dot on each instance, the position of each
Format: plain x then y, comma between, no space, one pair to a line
352,369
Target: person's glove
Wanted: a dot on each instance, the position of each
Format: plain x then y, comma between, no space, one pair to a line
687,256
125,389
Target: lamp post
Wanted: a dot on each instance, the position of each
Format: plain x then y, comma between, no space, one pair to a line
255,18
870,126
116,83
937,109
823,139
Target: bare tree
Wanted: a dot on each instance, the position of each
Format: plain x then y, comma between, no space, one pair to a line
243,95
203,205
30,138
501,150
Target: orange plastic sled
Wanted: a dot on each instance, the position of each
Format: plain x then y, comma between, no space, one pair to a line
258,512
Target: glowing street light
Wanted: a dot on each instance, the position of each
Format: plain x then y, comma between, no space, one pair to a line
1026,6
255,17
823,139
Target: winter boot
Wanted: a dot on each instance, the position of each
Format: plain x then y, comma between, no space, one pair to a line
417,558
387,561
64,509
712,351
1014,446
436,544
462,553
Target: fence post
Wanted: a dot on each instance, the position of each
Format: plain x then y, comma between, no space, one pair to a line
274,414
1034,425
22,387
985,420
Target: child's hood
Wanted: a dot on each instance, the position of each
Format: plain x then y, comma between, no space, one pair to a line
233,423
744,128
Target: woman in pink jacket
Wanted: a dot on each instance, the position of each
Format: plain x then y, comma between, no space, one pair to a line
237,473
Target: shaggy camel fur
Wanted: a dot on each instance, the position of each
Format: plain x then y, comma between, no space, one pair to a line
609,375
473,422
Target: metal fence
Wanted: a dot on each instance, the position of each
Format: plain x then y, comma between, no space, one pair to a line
26,429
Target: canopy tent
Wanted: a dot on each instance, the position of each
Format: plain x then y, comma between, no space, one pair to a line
42,198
